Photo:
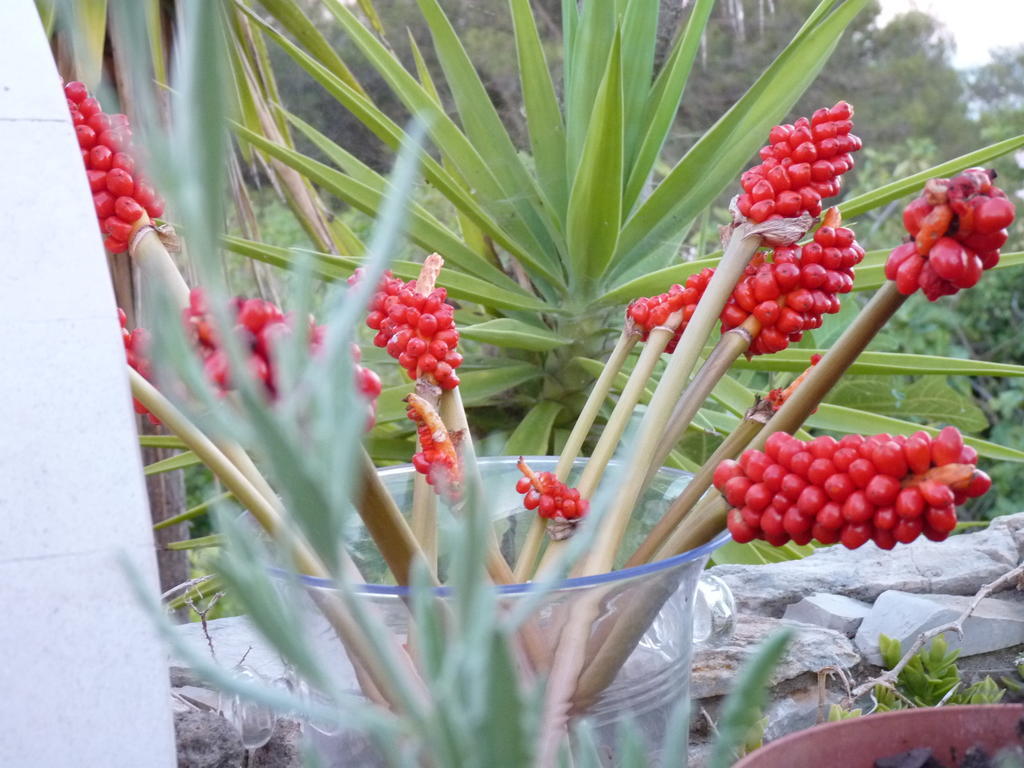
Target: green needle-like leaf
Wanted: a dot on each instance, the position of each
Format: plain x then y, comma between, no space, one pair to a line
423,228
518,213
543,116
506,332
586,66
855,206
533,435
797,359
182,460
480,119
663,101
392,135
293,18
476,387
595,203
329,267
639,34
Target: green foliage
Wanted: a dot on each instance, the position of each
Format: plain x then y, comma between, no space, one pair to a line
586,216
930,678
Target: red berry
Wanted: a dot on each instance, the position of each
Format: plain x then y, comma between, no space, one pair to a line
792,486
918,453
825,535
857,508
735,491
755,465
127,209
935,493
775,442
855,535
947,446
882,490
811,500
801,462
941,519
820,471
907,529
979,484
993,214
885,518
888,457
724,472
741,532
861,471
910,503
839,487
771,522
796,524
772,477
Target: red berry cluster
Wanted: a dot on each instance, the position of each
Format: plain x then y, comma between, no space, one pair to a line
649,313
119,193
136,349
437,458
802,164
552,498
789,294
889,489
417,329
259,324
958,226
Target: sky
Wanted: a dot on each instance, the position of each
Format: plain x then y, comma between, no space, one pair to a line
977,25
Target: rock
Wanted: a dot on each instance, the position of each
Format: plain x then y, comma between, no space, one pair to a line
811,649
284,750
207,740
843,614
957,566
995,623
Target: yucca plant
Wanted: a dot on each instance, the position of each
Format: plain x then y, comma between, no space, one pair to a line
552,239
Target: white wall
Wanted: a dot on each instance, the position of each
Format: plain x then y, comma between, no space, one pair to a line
83,681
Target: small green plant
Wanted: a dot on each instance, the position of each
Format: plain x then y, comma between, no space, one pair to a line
931,678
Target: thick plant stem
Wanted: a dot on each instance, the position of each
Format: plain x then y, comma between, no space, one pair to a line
424,518
535,536
612,433
729,347
424,497
149,253
741,248
355,640
823,376
385,524
752,423
708,518
453,414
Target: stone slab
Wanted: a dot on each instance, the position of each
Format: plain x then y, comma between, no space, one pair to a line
957,566
994,625
837,612
715,667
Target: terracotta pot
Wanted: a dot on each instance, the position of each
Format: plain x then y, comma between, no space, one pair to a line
858,742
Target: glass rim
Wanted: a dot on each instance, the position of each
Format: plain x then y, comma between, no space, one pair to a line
525,588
